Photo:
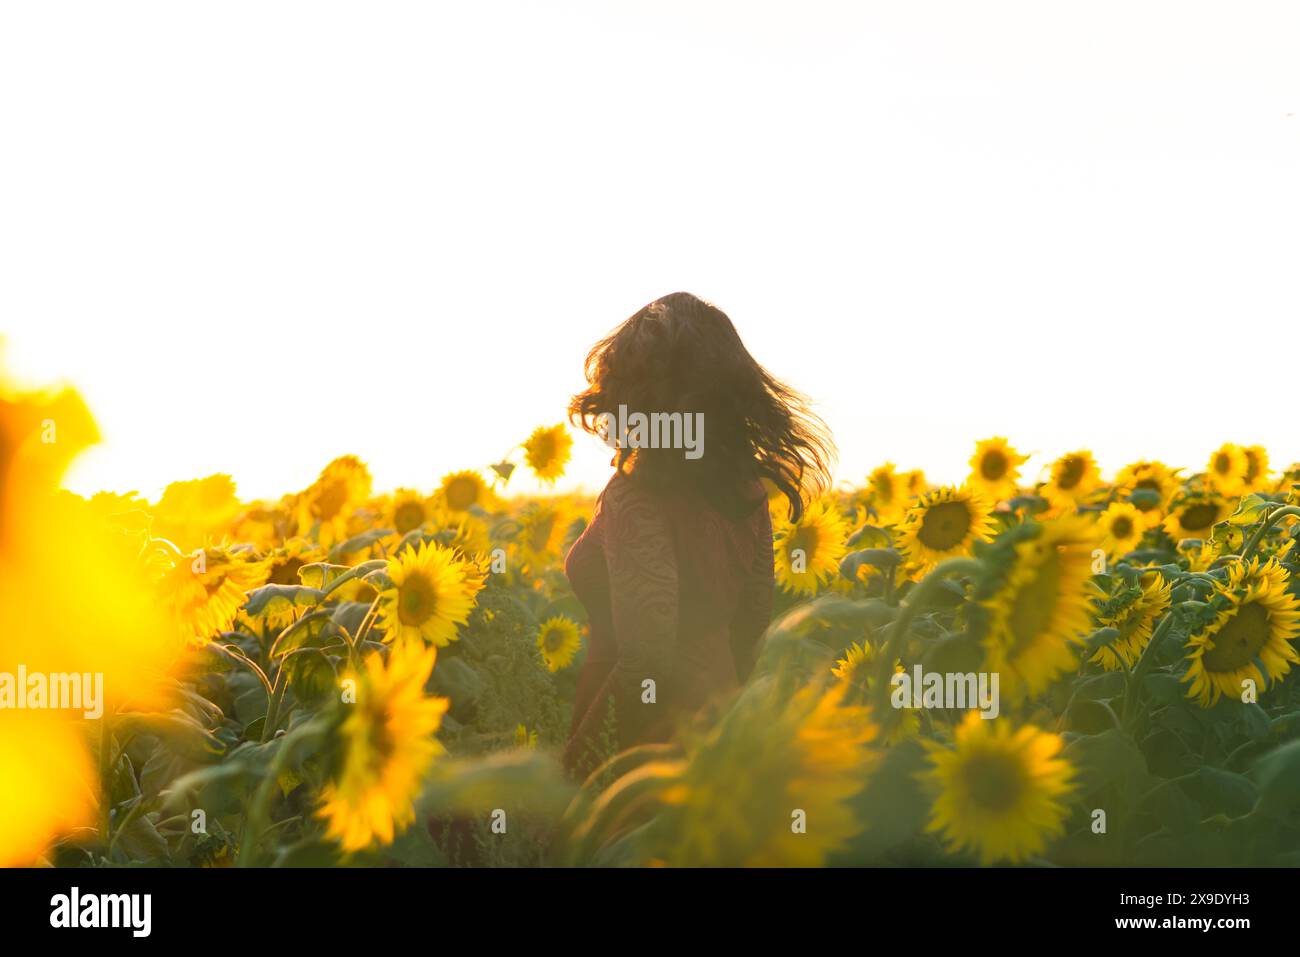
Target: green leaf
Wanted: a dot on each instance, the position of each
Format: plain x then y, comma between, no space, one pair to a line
181,731
1277,774
358,543
882,558
1253,508
279,598
306,629
332,578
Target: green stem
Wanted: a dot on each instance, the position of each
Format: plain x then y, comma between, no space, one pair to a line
1268,523
1133,683
907,611
273,704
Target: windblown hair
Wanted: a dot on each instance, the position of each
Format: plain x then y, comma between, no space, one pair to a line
681,354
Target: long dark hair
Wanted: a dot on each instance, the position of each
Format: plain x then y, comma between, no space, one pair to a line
682,354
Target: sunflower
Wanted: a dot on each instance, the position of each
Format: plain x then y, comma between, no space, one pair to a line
1226,471
1256,478
999,791
525,738
283,563
1250,638
732,801
995,468
1200,555
203,592
465,532
1133,614
47,766
558,640
547,451
542,529
461,491
856,672
808,552
327,504
1194,515
196,513
388,743
1121,527
1073,476
432,594
407,511
1148,476
944,523
887,493
855,667
282,566
1037,603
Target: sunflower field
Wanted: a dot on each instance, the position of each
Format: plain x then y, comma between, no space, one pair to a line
351,677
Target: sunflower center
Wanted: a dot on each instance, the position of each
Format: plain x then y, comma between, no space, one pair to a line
1071,472
379,738
994,781
1239,640
1035,604
416,601
1222,464
553,640
540,533
286,573
461,494
1198,517
543,449
330,499
944,526
408,516
1122,527
806,539
993,466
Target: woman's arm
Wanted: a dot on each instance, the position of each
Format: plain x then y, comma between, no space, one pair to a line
754,609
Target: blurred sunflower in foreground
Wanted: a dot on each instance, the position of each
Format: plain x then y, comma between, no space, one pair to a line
1036,602
71,577
388,744
999,793
739,797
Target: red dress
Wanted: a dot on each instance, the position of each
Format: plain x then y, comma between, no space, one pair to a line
675,592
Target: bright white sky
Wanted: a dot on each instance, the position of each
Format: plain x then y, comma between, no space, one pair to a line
260,234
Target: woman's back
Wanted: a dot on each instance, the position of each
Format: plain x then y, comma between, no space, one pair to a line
676,593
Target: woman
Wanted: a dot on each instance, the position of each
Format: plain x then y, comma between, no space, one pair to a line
675,570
